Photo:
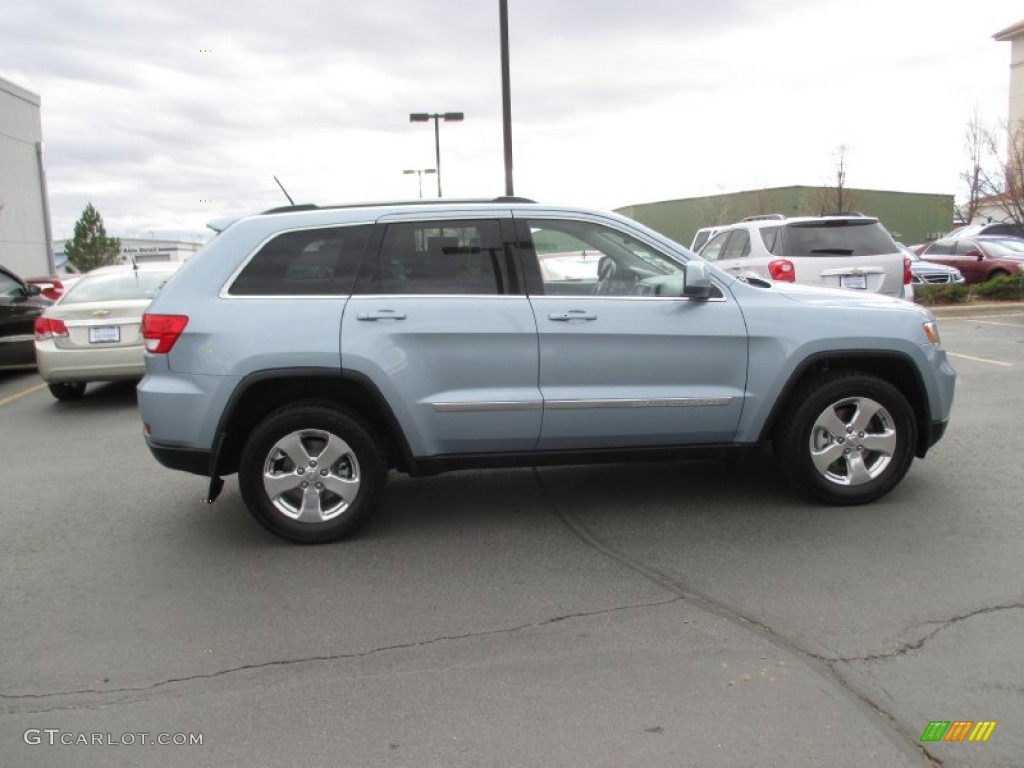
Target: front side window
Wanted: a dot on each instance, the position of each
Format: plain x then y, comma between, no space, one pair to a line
308,262
461,258
584,257
738,246
964,247
9,287
713,250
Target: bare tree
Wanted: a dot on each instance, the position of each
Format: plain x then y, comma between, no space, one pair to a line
836,197
1004,187
976,140
766,201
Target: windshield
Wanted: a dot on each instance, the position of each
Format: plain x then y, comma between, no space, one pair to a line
840,237
1012,248
117,287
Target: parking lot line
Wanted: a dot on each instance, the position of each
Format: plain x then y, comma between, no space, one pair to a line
987,322
23,392
980,318
980,359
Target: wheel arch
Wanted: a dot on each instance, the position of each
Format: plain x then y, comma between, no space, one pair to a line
892,367
259,394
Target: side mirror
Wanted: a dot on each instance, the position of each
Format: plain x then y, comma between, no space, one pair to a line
974,253
696,279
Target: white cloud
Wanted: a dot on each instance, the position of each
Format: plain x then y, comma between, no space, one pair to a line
613,103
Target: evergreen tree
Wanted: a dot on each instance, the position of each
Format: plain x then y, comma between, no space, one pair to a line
90,247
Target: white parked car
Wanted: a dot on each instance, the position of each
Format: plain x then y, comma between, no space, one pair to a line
845,251
92,332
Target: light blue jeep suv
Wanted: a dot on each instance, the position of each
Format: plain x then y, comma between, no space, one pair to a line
312,349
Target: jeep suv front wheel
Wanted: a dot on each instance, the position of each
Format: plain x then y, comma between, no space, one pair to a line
311,473
846,437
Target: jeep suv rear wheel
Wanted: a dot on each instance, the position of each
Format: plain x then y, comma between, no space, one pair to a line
311,473
846,437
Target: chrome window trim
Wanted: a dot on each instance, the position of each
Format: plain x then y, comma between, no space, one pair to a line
591,296
382,296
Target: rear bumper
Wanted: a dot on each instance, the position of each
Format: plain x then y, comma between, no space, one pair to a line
196,462
94,364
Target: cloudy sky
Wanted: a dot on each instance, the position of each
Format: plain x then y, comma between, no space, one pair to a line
168,114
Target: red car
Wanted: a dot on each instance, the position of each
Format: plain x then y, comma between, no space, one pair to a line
978,258
53,287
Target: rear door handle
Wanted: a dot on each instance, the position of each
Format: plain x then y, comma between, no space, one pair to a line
572,314
381,314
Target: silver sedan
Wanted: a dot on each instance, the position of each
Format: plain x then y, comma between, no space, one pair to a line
92,332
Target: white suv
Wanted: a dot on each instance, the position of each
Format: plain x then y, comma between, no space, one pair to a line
843,251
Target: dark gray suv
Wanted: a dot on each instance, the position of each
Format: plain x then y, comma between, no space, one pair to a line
311,350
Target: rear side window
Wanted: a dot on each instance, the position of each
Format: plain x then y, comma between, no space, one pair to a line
770,237
841,237
439,258
941,248
309,262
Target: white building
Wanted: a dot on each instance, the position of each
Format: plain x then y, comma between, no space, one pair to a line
142,249
24,208
1015,36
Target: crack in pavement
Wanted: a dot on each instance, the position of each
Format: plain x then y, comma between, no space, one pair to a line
730,613
16,697
918,644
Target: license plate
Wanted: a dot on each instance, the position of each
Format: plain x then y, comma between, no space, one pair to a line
853,281
104,334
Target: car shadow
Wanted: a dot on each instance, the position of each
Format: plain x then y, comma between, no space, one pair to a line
107,395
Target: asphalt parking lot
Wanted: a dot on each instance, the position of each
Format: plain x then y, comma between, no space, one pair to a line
671,614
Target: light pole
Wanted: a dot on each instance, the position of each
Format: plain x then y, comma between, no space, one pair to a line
506,95
419,175
424,117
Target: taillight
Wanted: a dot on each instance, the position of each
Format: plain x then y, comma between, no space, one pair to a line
782,270
161,331
907,274
48,327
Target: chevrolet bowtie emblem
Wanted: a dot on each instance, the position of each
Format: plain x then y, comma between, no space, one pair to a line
100,313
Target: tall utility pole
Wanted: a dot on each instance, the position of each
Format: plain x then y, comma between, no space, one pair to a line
506,96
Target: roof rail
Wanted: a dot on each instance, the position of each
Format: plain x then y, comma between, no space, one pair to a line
420,201
764,217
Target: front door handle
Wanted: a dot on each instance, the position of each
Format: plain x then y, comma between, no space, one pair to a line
572,314
381,314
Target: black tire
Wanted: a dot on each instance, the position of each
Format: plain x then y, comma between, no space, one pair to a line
66,391
341,495
820,423
997,273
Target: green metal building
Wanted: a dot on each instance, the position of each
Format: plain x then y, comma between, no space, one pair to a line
911,217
